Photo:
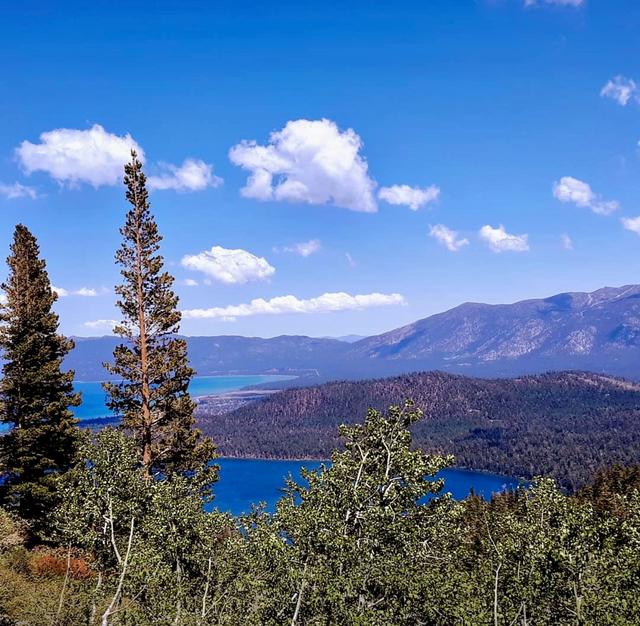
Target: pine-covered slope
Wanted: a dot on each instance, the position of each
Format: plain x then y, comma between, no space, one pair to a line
561,424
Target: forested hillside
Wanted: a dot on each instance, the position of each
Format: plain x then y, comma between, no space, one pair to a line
564,425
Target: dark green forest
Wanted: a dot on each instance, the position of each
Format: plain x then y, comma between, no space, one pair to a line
565,425
110,528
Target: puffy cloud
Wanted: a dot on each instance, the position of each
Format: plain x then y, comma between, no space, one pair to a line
229,266
290,304
83,291
413,197
621,90
308,161
17,190
570,189
499,240
566,241
447,237
192,175
563,3
632,224
73,156
101,324
304,248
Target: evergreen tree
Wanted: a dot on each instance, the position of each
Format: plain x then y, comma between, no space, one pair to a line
35,394
152,364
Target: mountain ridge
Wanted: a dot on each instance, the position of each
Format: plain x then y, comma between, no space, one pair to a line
596,331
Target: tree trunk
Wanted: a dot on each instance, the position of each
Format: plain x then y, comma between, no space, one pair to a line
147,458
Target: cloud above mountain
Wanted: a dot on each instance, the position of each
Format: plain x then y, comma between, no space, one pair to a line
632,224
303,248
229,266
102,324
311,162
621,89
192,175
572,190
449,238
87,292
499,240
279,305
96,157
413,197
72,156
17,190
567,242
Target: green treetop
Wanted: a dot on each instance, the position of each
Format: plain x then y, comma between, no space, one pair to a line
35,394
152,364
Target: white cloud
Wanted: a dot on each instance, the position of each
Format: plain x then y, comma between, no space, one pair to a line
447,237
632,224
73,156
290,304
499,240
350,260
413,197
621,90
189,282
83,291
570,189
3,298
563,3
229,266
192,175
17,190
101,324
566,241
304,248
308,161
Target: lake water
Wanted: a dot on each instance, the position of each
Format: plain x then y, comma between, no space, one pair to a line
93,397
244,482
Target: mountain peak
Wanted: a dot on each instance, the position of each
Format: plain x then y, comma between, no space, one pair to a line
553,330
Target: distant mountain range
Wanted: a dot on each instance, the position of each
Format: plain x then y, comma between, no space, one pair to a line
597,331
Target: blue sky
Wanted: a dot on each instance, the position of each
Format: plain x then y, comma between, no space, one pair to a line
392,140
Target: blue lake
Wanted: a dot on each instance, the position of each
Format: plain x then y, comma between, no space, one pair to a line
244,482
93,397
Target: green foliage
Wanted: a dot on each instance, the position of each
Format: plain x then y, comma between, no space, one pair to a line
151,366
154,534
372,540
359,519
35,394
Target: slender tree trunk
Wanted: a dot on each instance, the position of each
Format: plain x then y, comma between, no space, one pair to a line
94,604
64,586
123,573
144,361
178,616
203,612
303,584
495,595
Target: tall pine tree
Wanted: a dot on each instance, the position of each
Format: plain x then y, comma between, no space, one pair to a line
152,367
35,394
